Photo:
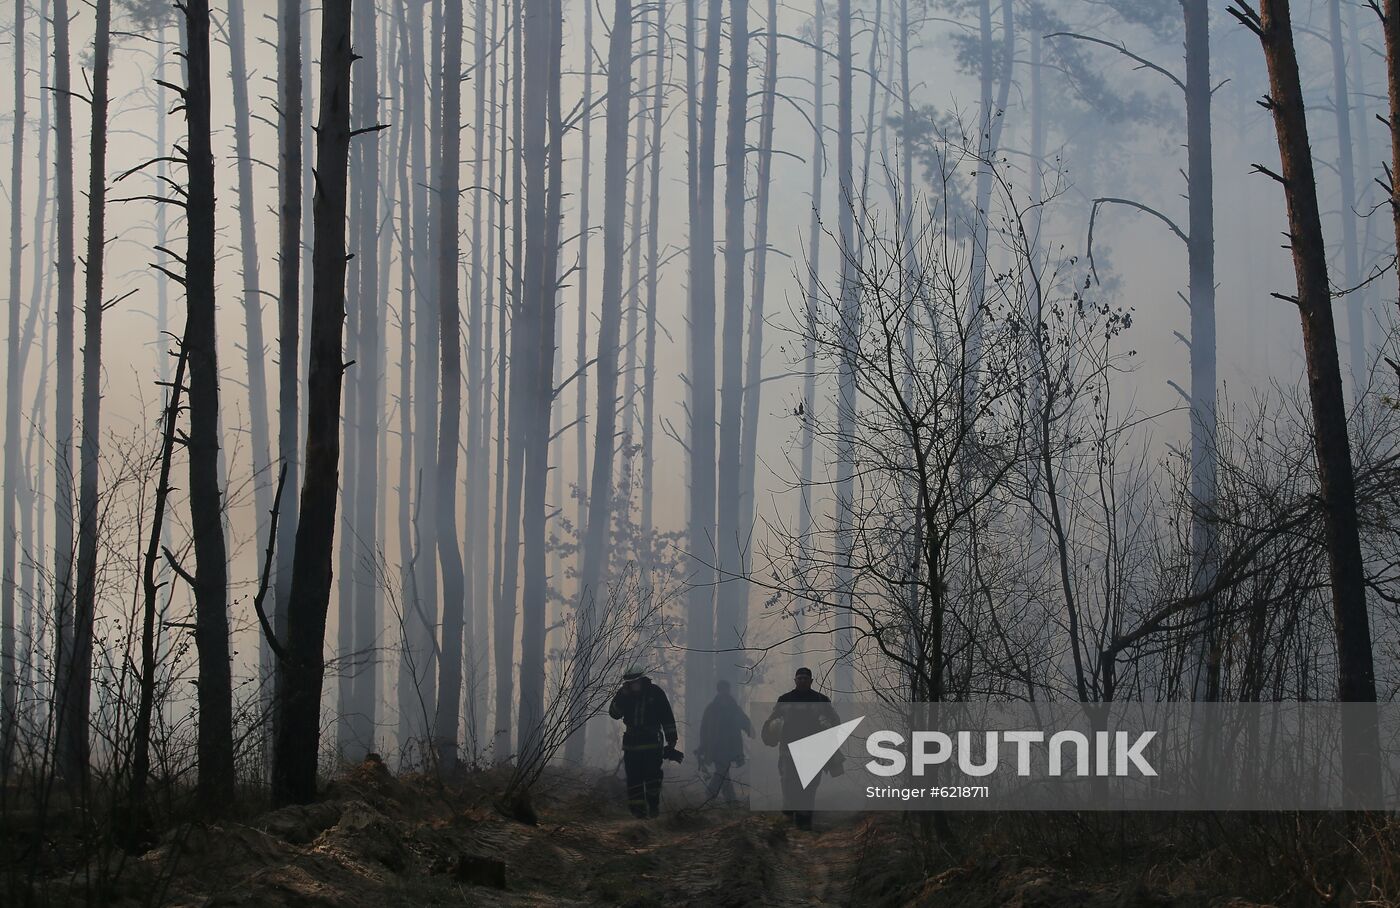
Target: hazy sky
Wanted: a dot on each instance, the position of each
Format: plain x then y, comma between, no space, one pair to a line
1258,335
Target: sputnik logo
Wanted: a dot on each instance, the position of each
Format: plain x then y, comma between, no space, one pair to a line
810,754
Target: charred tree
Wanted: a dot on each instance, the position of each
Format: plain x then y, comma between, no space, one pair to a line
303,669
210,578
71,749
289,217
79,681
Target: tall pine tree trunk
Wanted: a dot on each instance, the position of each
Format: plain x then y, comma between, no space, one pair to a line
730,619
653,276
849,315
585,234
1346,173
289,217
410,707
216,770
72,741
701,516
543,187
424,609
14,391
1201,263
298,728
481,518
447,248
521,358
814,251
85,602
475,625
600,495
753,369
252,295
1336,480
633,308
365,479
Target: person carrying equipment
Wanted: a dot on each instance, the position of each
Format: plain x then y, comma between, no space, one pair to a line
646,715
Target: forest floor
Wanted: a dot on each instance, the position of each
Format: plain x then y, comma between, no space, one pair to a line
374,840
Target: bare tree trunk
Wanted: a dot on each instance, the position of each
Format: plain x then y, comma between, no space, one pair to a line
1366,187
849,314
1336,481
701,516
475,628
36,477
600,496
481,519
85,603
814,250
308,224
1201,256
543,34
252,294
1201,265
423,627
633,309
585,234
31,541
71,749
14,391
521,357
753,373
345,649
410,707
653,269
1346,172
365,479
289,203
298,730
730,617
210,580
448,184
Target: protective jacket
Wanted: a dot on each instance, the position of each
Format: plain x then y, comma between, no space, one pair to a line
646,716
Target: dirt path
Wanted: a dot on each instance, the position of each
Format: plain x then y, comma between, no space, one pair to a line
378,841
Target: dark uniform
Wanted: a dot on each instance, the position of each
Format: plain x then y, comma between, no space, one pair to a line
646,713
721,740
802,712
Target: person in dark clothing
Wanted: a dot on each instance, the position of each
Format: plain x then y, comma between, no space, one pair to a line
798,713
648,721
722,728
